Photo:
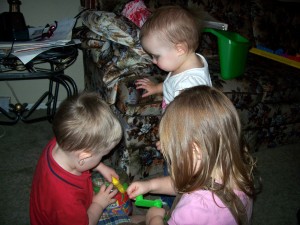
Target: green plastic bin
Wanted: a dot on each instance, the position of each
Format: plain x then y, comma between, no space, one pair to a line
233,50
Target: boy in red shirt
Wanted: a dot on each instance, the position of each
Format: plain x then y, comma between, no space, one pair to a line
85,130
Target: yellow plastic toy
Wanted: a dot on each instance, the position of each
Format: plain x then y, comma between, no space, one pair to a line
118,185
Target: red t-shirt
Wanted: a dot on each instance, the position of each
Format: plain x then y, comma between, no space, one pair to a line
57,196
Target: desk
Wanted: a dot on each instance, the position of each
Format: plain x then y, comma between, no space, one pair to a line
49,65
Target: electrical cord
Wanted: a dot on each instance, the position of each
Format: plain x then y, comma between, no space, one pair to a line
10,51
12,91
78,15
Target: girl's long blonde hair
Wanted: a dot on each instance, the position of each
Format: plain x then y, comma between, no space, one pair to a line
204,117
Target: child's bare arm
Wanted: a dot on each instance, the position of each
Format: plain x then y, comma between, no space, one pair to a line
100,201
106,171
151,87
160,185
155,216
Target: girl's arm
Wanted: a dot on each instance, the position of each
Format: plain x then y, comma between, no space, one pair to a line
160,185
155,216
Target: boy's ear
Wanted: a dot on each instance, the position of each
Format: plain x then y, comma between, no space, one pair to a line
181,48
84,155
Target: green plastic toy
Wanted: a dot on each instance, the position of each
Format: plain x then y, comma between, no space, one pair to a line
140,201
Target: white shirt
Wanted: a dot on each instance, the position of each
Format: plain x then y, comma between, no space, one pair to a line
174,84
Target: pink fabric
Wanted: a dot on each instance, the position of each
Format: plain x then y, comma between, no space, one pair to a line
137,12
200,207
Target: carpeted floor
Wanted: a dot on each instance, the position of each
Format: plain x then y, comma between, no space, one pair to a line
21,145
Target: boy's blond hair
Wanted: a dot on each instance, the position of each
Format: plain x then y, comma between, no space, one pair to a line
174,24
85,122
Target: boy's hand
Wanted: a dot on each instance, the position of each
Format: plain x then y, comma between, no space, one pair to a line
107,172
105,196
100,201
155,216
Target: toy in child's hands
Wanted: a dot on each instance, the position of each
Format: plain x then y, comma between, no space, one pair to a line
140,201
123,204
118,185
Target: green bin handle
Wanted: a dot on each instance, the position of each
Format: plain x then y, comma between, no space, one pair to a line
213,31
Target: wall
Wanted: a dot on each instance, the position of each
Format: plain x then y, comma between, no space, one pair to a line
39,13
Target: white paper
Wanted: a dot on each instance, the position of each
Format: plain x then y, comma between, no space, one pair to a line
28,50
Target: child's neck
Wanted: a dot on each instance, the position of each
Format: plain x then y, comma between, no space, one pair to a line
190,61
64,160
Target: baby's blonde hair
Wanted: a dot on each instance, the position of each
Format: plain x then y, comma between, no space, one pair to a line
173,24
85,122
204,117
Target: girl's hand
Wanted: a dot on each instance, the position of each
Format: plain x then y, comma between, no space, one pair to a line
146,84
155,216
105,196
138,188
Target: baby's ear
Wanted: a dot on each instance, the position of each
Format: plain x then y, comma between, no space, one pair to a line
181,48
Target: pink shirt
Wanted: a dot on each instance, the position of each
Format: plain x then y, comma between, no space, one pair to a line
199,208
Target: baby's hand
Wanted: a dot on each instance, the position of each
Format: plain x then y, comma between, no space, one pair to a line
105,196
158,146
148,85
140,83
